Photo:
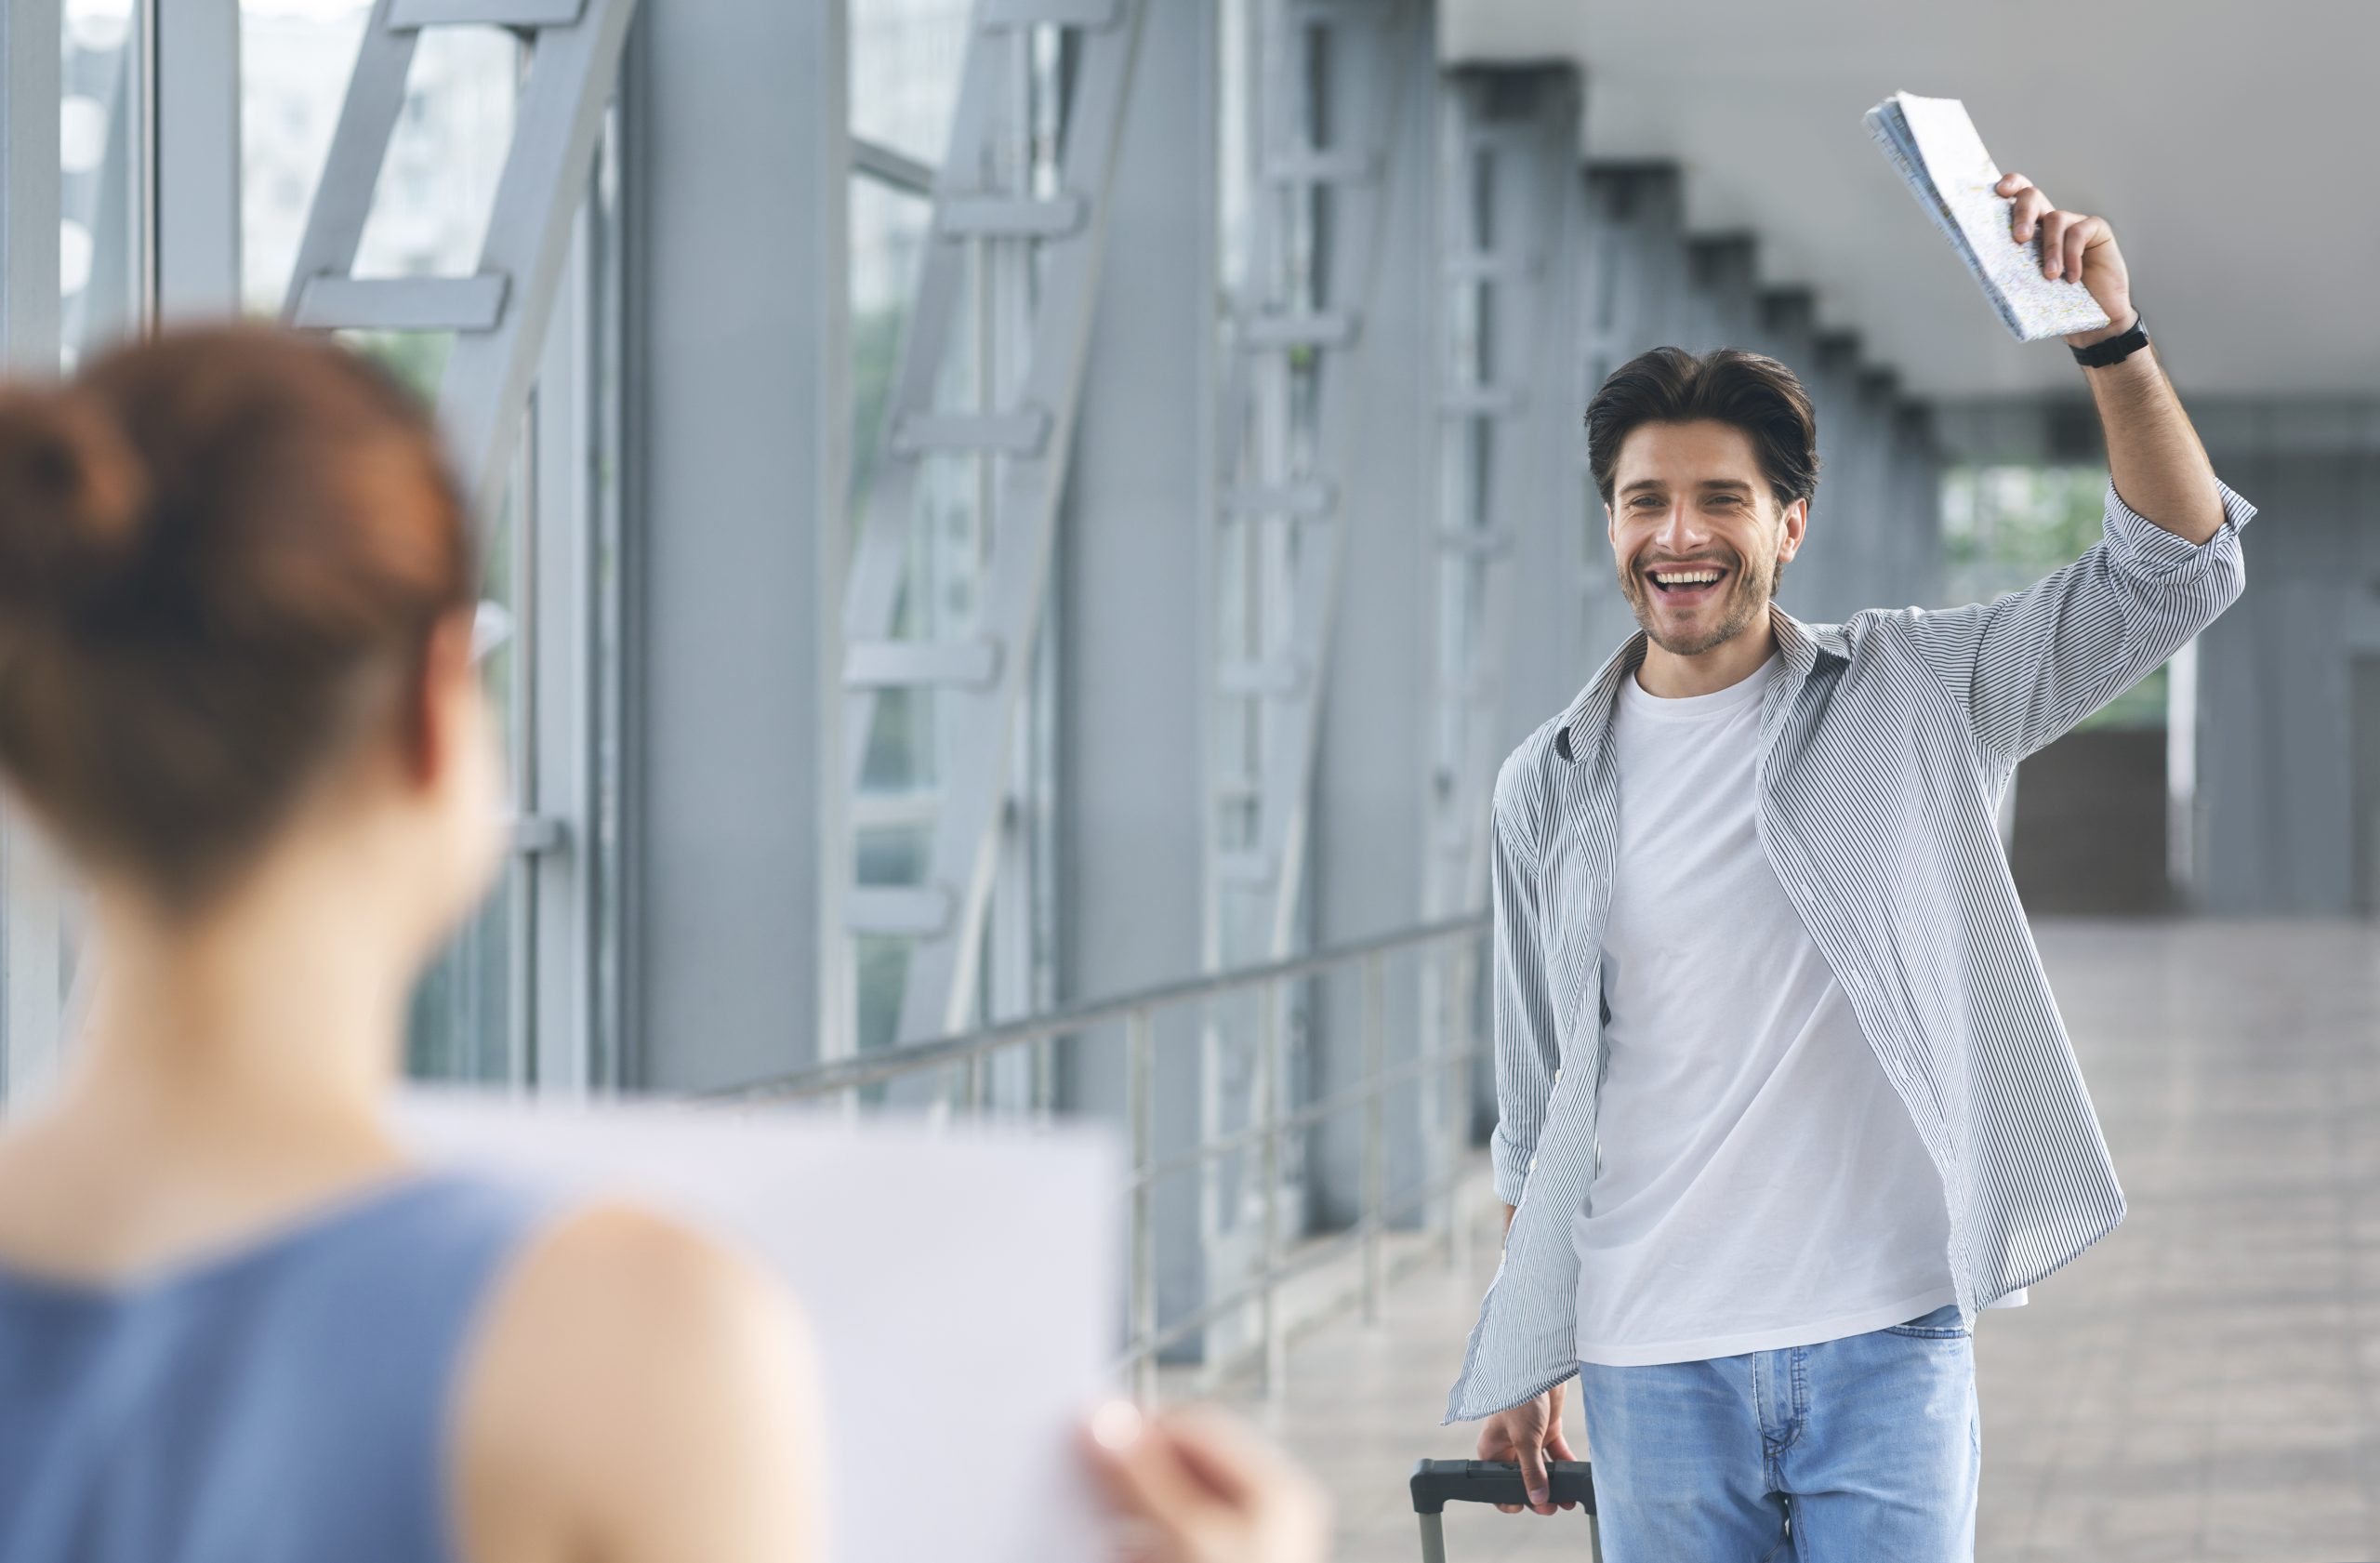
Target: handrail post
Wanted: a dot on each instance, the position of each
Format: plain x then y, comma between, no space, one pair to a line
1140,1057
1268,1090
1375,1111
1212,1118
1460,1004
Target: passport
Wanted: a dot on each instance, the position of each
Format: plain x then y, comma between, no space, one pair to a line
1935,147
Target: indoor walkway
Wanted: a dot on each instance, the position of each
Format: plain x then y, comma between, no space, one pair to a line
2205,1383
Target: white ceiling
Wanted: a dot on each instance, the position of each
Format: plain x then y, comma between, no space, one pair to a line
2234,144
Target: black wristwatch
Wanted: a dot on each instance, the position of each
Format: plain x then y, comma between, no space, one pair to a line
2115,349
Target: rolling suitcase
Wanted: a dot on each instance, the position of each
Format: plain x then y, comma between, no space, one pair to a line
1437,1483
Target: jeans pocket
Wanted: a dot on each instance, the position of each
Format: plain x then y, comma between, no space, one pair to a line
1945,1323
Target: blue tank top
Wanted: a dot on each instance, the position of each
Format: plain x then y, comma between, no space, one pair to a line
288,1402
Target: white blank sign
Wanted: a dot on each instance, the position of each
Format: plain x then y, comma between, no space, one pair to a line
962,1287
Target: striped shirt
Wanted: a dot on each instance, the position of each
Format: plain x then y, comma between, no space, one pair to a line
1885,748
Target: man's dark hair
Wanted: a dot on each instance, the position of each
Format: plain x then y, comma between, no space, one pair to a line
1755,393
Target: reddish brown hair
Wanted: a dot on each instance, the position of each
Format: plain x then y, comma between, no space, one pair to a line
215,548
1751,391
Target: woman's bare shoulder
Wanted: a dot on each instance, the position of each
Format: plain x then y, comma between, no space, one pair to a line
638,1385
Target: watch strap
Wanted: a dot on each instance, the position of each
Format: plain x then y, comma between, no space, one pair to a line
2115,349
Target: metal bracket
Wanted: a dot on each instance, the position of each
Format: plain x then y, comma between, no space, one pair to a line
922,912
1482,401
400,303
974,664
1093,14
1311,500
418,14
1025,432
1001,217
1299,329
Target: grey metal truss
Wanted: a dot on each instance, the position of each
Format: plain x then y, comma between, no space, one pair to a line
1295,375
1029,238
1312,171
1508,447
499,313
197,180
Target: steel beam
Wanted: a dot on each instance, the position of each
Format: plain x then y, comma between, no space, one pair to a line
400,303
32,894
559,119
198,159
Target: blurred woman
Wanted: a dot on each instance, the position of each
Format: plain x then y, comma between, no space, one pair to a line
237,686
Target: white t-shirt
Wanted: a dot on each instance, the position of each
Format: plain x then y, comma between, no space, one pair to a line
1760,1184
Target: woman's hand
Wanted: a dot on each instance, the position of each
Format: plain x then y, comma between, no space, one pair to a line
1197,1487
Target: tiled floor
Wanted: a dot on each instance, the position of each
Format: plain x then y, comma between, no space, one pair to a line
2205,1383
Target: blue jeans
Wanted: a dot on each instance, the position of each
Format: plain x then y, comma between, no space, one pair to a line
1857,1449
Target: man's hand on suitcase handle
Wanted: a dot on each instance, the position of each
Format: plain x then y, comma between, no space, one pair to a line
1529,1434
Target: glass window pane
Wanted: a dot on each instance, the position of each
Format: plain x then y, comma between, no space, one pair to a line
418,358
461,1027
905,61
295,58
436,184
468,1012
888,238
101,134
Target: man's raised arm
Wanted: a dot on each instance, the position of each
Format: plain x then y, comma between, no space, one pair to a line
2153,453
2029,665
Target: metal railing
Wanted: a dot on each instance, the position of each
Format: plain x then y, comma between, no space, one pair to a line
1447,1042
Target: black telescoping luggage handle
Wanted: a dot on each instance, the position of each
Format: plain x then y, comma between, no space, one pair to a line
1437,1483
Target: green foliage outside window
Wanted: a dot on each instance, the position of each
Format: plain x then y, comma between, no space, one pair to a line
2005,527
875,337
418,358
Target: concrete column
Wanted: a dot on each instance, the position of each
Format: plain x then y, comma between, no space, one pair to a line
2288,790
1916,490
1822,583
1876,564
1135,543
1547,648
1636,299
1724,307
738,425
1370,819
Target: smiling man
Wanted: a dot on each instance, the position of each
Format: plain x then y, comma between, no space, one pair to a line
1784,1099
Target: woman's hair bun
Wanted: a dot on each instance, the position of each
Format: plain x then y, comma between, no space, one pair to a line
72,494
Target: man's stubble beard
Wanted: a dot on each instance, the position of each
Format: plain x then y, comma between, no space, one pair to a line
1745,605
